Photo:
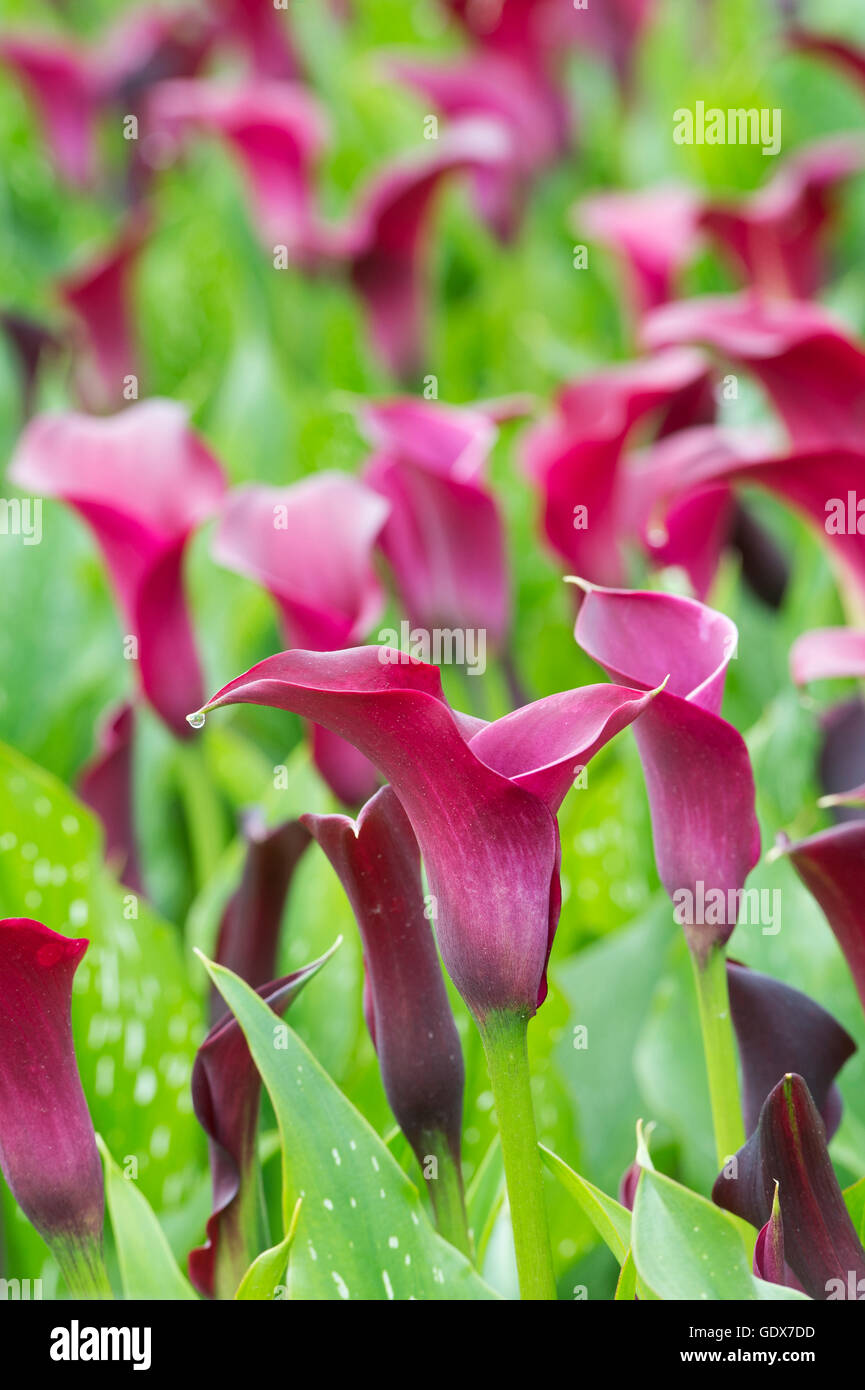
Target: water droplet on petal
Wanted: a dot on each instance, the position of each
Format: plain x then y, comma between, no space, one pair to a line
196,719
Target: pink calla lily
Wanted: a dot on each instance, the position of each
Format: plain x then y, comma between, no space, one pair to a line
99,296
142,480
311,546
655,232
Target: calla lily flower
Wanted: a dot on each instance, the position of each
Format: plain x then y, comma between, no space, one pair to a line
99,297
275,129
31,342
788,1148
769,1261
590,506
409,1015
774,236
105,785
383,244
834,653
443,537
654,231
47,1146
226,1090
249,930
831,864
258,27
818,482
311,546
496,87
811,369
481,800
65,89
142,480
828,653
779,1030
696,765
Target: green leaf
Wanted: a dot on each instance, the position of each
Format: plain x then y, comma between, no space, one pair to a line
485,1198
362,1231
854,1196
626,1288
264,1278
685,1248
147,1267
611,1220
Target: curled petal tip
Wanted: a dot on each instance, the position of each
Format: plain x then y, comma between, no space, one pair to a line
585,584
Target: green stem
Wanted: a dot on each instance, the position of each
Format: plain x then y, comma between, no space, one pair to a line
504,1037
204,821
83,1268
719,1046
447,1196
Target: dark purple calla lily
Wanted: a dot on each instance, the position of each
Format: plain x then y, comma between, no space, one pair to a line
443,537
311,546
275,129
226,1090
769,1261
481,801
697,769
788,1147
410,1019
813,371
47,1146
831,864
142,480
105,785
31,343
780,1030
655,232
249,930
774,236
589,501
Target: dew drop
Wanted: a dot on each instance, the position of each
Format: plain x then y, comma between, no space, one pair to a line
196,719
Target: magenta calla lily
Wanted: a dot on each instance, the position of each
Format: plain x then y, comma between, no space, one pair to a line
780,1030
812,370
788,1148
774,236
277,132
65,90
226,1091
443,537
47,1146
828,653
591,505
142,480
409,1015
500,89
264,33
697,769
654,232
311,546
249,930
482,809
99,297
105,785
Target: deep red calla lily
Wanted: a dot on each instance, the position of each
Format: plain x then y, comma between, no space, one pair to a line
696,765
481,802
443,537
99,297
249,930
226,1090
142,480
789,1148
410,1019
311,546
831,864
263,32
105,785
47,1146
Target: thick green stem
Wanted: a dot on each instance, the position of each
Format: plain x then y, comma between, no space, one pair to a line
204,820
719,1046
82,1265
447,1196
505,1043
